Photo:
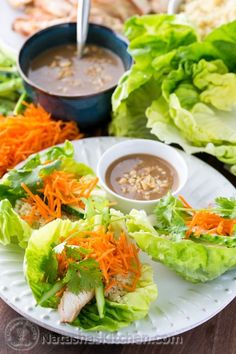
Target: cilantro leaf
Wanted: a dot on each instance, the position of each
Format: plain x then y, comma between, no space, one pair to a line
34,170
72,281
169,219
83,276
31,177
6,192
76,252
73,252
226,207
84,251
90,274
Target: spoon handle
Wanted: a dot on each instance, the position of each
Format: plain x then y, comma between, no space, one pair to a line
82,24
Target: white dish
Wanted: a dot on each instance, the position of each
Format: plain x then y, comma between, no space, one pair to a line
180,305
140,146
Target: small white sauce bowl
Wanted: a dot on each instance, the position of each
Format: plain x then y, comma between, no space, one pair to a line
140,146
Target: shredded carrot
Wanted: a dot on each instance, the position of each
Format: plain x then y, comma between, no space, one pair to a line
186,204
116,257
206,221
29,133
59,188
211,223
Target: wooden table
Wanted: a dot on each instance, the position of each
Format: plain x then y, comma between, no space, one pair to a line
217,336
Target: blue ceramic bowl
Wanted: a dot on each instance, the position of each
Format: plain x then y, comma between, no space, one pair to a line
90,110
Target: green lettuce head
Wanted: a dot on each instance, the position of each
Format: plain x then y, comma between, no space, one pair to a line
179,90
150,37
41,271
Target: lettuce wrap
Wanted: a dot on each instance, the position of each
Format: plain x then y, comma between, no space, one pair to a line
42,268
198,254
39,192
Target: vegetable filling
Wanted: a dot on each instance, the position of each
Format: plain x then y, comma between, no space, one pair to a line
59,188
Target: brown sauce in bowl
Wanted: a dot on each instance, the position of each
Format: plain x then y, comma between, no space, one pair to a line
141,177
61,72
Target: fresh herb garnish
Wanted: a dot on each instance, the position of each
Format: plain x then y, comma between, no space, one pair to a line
31,177
83,276
76,252
168,216
172,216
226,207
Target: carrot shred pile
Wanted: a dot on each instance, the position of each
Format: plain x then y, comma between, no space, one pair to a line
116,257
211,223
208,222
59,188
29,133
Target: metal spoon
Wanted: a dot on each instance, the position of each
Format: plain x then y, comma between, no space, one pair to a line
82,24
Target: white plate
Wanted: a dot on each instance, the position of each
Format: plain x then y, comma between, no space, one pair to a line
9,38
180,305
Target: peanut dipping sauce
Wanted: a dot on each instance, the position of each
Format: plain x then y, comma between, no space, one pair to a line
141,177
62,72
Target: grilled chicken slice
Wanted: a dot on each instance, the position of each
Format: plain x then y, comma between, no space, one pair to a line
106,20
19,3
56,8
159,5
71,304
121,9
27,26
43,13
143,6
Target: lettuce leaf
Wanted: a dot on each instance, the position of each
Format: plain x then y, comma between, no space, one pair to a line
39,255
129,117
196,262
162,236
223,40
132,307
41,270
12,228
180,90
11,85
150,37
